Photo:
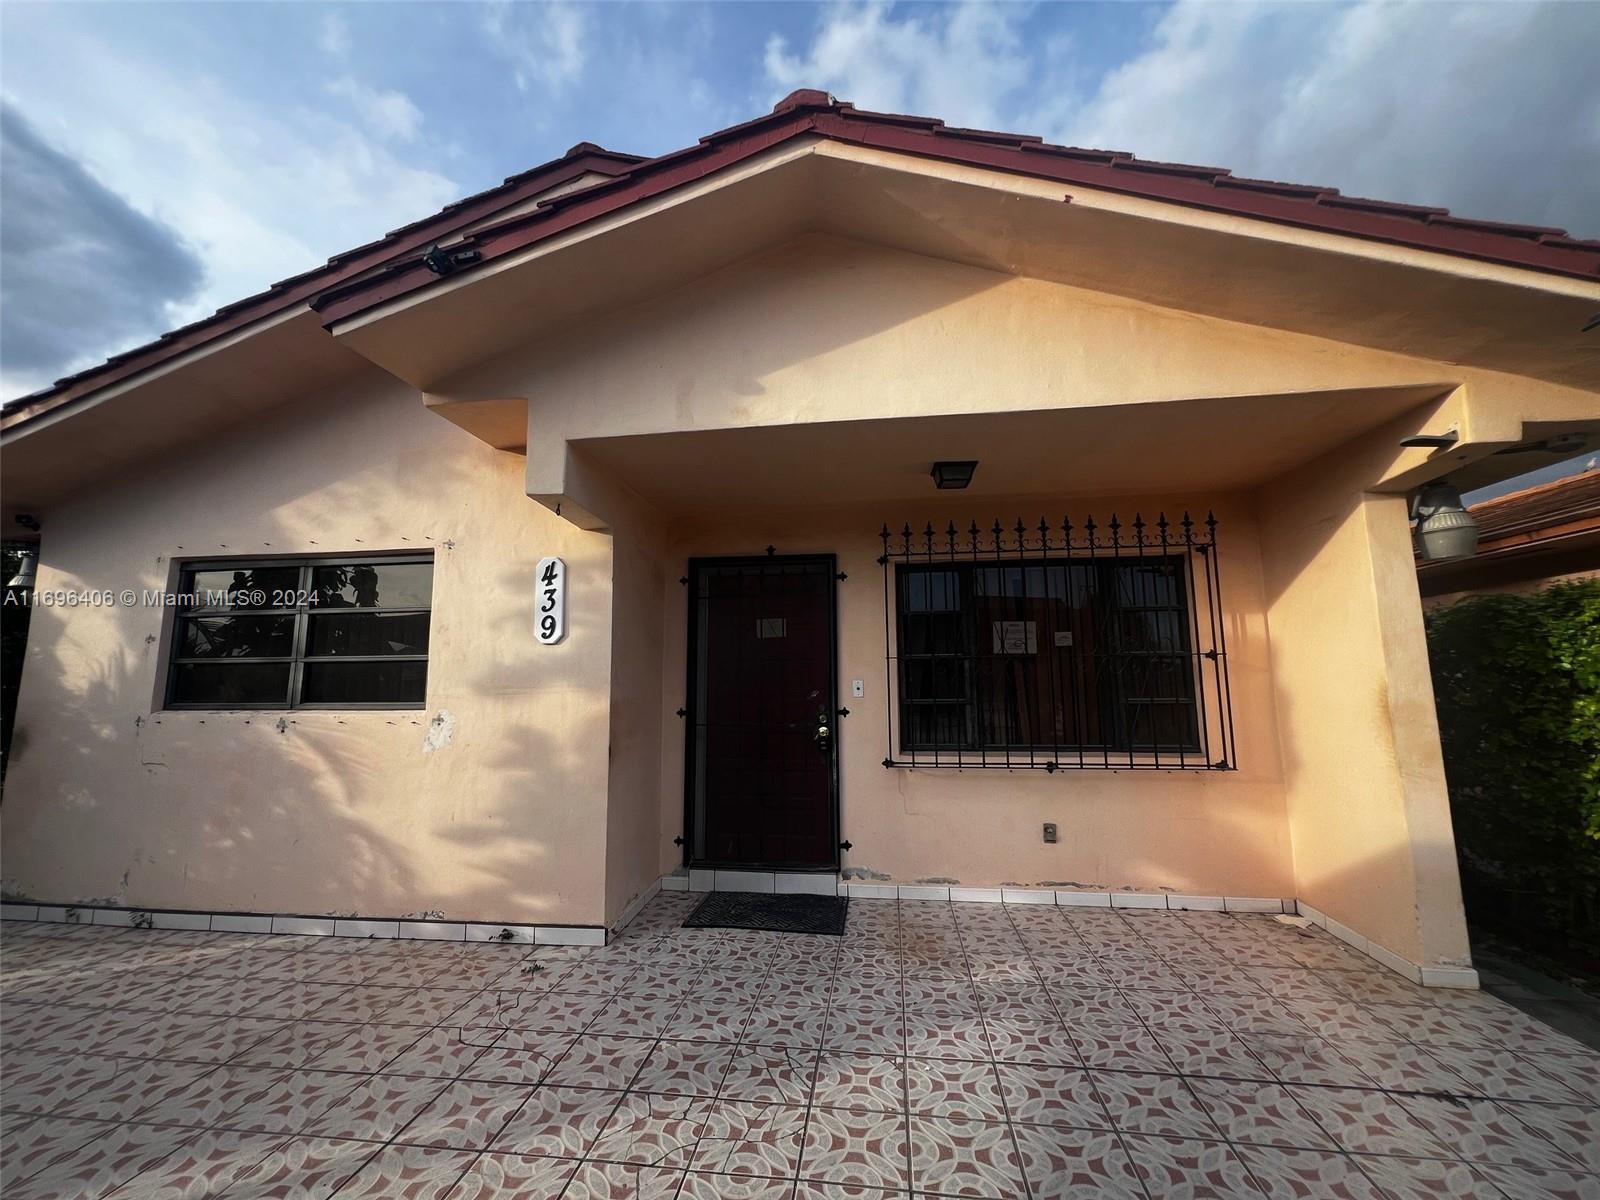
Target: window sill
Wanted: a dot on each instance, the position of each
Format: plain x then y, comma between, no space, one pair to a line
285,708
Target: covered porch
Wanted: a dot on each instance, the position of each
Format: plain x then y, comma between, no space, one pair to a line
1265,783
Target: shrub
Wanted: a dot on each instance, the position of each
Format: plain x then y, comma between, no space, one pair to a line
1517,680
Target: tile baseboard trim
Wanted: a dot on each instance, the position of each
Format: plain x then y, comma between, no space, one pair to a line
1453,976
631,910
1443,977
783,883
398,928
1065,897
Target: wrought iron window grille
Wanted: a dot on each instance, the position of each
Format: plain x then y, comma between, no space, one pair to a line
1057,648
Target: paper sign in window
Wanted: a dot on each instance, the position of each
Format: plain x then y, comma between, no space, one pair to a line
1016,637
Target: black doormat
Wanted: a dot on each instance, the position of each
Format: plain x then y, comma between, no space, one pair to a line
776,914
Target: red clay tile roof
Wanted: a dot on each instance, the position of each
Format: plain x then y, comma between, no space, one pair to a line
1538,510
349,283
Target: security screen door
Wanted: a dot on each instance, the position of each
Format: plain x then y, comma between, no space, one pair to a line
762,779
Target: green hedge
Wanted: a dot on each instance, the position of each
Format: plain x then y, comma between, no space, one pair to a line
1517,679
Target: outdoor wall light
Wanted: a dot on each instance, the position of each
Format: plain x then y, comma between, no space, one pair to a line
27,573
953,475
1445,529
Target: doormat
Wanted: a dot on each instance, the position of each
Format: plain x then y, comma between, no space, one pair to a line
776,914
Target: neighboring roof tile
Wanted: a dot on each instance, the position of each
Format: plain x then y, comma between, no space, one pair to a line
392,265
1547,506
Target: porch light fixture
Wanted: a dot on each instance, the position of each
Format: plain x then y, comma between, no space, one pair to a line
953,475
1444,529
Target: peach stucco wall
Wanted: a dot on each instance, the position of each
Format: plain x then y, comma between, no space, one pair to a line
1369,813
109,799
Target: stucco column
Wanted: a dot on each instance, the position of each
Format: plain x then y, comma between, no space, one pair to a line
1369,815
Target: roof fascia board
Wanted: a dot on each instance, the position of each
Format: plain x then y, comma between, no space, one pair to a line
625,215
15,426
990,178
1173,212
1187,186
1191,187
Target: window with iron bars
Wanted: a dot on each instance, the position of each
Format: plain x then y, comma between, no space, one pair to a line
1096,646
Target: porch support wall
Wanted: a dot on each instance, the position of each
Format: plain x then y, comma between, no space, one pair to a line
1368,810
639,582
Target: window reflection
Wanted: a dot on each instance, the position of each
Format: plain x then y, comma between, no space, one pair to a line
1048,655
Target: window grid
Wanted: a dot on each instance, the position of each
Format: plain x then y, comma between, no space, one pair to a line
301,614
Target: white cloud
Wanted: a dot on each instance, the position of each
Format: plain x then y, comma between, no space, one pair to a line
546,44
389,114
261,191
1492,110
333,36
963,63
82,268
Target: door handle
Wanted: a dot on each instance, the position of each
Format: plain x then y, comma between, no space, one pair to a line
822,735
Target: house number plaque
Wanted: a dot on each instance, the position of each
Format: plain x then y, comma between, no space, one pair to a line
550,614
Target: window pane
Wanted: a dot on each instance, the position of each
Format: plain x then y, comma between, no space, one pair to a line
1164,724
230,684
243,587
931,591
237,637
364,683
373,585
368,633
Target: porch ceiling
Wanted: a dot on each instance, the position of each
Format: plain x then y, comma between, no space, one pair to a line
1219,444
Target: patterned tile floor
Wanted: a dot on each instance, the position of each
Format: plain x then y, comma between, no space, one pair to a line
1017,1053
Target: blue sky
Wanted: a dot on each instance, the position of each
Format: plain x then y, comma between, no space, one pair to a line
162,160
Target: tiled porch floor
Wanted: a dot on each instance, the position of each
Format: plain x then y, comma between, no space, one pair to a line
1015,1053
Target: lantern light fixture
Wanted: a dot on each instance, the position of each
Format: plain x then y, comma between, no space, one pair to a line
1444,528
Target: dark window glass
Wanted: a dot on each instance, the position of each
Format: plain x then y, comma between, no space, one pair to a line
373,585
237,637
228,684
1055,656
283,634
367,633
363,682
242,587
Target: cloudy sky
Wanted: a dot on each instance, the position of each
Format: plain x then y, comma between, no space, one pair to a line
162,160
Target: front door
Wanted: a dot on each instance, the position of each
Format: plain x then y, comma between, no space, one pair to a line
762,746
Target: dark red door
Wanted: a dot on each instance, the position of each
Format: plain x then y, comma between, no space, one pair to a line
762,781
